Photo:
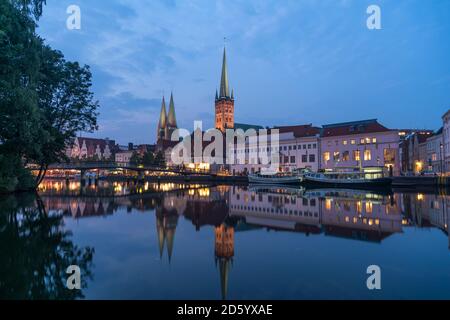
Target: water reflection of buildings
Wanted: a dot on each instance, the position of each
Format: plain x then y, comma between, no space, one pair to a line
166,224
224,253
351,214
277,209
360,215
356,215
204,207
428,211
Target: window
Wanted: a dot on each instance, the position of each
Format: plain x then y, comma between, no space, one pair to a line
346,156
367,155
362,140
353,141
357,155
336,156
305,158
389,155
374,140
434,157
292,159
290,148
367,140
312,158
295,147
326,156
314,146
344,142
309,146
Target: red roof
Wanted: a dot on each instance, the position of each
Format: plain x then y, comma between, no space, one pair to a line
305,130
351,128
91,144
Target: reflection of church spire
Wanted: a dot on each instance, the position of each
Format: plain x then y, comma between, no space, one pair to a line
170,235
161,237
166,224
224,252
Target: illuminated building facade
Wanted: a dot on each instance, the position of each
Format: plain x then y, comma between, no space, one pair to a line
360,144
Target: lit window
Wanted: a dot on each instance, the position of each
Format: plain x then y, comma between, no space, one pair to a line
344,142
359,207
346,156
367,155
357,155
326,156
336,155
362,141
369,207
353,141
374,140
367,140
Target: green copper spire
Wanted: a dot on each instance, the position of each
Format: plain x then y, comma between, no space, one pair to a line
224,86
171,118
162,119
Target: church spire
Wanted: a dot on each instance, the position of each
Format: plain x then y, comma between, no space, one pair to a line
224,86
171,118
162,120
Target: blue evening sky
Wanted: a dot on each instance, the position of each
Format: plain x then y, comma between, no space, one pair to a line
290,62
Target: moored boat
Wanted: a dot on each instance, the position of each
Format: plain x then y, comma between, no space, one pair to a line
352,179
289,178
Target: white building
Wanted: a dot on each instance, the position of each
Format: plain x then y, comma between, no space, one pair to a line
298,148
364,144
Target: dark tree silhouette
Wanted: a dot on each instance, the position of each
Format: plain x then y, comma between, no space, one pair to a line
35,251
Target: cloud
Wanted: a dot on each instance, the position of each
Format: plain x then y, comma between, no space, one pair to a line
312,61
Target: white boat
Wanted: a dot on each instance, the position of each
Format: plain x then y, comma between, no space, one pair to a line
277,178
347,178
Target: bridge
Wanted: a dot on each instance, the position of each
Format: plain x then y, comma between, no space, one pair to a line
84,167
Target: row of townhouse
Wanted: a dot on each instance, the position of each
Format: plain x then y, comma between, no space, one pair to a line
427,151
92,149
365,144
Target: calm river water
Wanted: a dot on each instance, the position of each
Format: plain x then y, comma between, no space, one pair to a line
186,241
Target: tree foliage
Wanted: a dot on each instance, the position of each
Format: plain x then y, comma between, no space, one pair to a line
35,250
44,99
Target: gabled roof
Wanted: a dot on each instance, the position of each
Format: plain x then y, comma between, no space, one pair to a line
245,126
92,143
299,131
354,127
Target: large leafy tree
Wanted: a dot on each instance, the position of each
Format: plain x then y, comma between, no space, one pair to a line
19,70
44,99
66,104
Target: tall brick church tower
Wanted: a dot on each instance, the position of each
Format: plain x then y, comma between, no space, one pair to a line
224,101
